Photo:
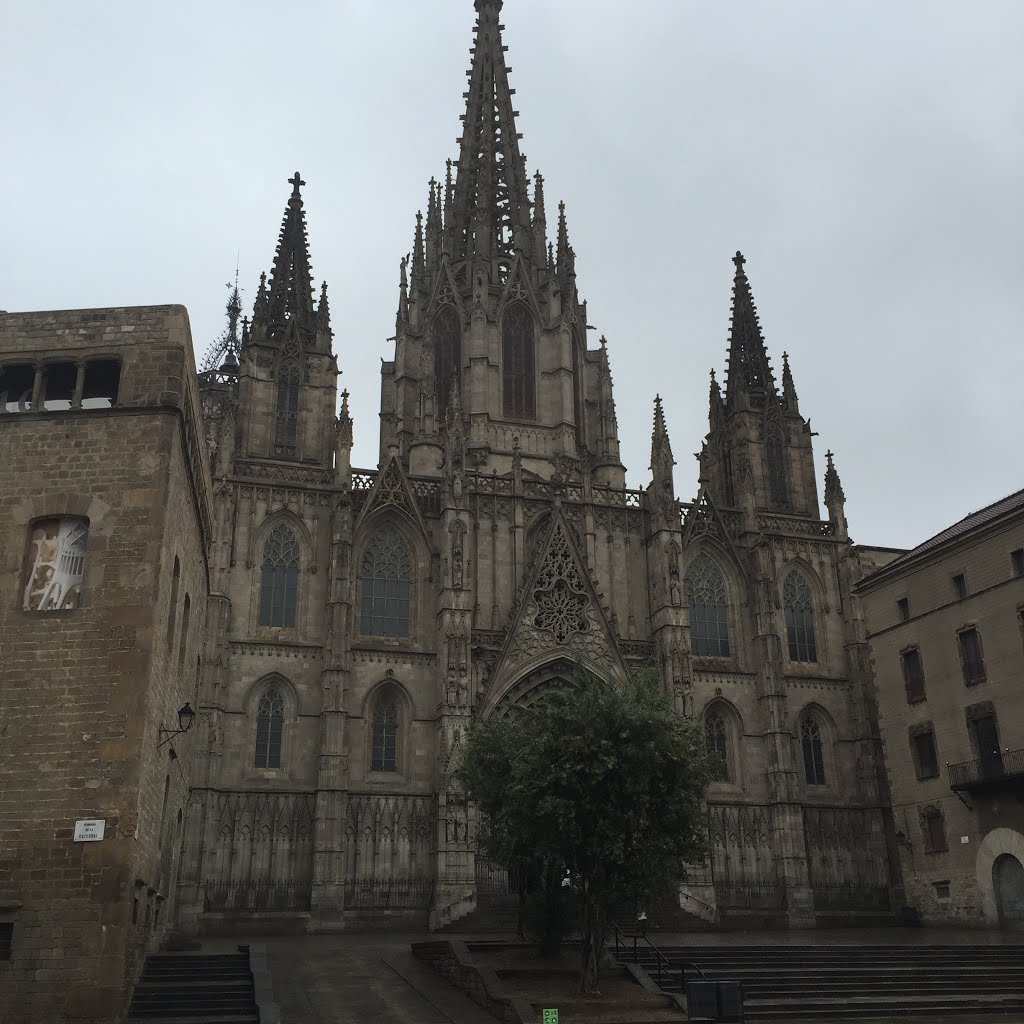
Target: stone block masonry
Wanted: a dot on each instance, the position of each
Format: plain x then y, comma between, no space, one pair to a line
104,521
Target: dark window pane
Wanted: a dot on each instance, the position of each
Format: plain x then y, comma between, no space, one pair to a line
799,613
386,585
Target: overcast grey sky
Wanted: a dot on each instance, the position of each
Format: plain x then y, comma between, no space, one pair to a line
867,157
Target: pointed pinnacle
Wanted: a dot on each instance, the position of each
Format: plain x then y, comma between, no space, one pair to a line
749,370
833,485
788,388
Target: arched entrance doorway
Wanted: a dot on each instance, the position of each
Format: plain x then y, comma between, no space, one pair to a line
1008,884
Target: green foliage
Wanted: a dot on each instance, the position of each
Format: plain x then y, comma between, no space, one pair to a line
604,778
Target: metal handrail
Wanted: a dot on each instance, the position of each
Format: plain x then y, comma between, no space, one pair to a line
697,899
683,964
997,765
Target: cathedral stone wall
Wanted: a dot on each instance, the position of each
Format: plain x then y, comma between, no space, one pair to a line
92,668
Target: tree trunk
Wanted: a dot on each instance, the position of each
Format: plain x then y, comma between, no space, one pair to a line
593,937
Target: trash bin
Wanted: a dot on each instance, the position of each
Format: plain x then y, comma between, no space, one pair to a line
730,1000
702,999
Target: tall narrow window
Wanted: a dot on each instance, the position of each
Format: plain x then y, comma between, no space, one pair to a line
269,728
934,828
172,612
286,425
903,608
56,564
385,585
971,657
775,459
447,331
814,754
518,362
186,611
709,613
960,586
926,760
913,675
384,753
280,578
577,392
728,488
716,737
796,598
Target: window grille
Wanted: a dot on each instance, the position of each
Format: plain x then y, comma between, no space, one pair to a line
280,578
447,331
775,458
716,737
384,753
814,754
386,585
269,729
286,426
799,607
927,762
518,362
709,612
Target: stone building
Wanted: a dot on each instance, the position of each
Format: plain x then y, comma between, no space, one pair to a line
360,618
946,626
104,526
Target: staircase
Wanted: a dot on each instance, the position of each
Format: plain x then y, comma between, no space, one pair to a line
832,982
195,988
494,915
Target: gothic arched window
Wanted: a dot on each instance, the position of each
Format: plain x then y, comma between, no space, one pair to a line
814,754
384,741
447,331
709,608
280,578
517,362
269,728
385,585
286,421
775,459
717,738
799,606
577,393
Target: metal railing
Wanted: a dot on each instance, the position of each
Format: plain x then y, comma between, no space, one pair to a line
994,767
257,896
662,964
388,893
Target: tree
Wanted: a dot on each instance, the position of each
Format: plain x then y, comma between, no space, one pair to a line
602,778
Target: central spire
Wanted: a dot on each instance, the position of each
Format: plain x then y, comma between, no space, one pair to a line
749,372
491,216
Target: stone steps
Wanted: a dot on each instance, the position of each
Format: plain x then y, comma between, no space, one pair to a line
195,988
841,982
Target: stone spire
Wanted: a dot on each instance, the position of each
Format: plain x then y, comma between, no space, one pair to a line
419,267
835,499
788,389
491,206
290,297
749,374
540,222
343,457
566,257
434,226
716,406
661,447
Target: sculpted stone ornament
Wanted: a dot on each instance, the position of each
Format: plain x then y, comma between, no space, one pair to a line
674,589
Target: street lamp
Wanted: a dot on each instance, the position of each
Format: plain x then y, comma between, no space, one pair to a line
185,716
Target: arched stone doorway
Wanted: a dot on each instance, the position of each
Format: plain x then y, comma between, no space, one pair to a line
1000,875
533,685
1008,886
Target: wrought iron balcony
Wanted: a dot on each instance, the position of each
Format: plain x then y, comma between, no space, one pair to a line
992,770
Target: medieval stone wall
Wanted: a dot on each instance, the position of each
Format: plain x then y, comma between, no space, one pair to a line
86,686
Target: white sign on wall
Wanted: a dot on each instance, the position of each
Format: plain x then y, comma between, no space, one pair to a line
90,830
965,839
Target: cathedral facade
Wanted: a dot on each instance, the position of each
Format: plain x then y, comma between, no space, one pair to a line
360,619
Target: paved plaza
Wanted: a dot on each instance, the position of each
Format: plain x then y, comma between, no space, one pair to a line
373,977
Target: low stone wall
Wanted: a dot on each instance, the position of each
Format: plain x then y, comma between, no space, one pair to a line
453,961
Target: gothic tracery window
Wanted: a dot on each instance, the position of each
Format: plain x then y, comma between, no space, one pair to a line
384,740
716,737
269,729
385,585
709,612
518,378
799,606
280,578
286,422
447,331
775,460
56,564
560,592
814,753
